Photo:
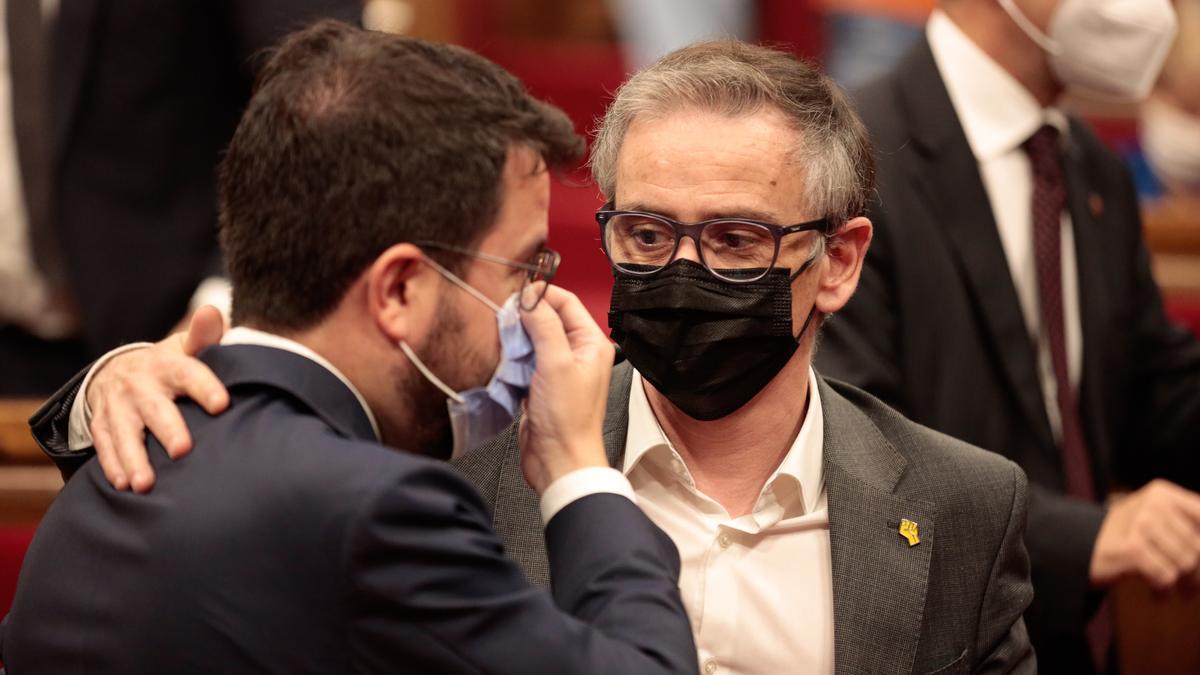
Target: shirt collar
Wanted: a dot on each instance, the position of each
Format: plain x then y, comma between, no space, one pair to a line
242,335
802,464
997,113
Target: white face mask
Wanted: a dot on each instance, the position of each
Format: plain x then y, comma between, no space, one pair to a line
1105,49
1171,140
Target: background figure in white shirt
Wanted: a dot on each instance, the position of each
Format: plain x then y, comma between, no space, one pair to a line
1008,300
820,532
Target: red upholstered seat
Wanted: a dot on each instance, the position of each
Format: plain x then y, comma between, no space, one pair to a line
13,542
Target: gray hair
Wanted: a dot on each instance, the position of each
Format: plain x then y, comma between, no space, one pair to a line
736,78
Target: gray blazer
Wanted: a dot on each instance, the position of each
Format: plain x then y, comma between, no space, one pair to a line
950,604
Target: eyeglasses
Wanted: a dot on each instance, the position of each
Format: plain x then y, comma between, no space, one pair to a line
543,268
732,249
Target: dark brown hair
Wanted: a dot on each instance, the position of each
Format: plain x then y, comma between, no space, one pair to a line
355,141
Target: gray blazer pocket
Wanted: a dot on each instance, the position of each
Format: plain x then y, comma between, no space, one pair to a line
959,665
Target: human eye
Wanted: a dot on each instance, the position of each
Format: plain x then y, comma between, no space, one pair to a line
735,245
645,233
734,237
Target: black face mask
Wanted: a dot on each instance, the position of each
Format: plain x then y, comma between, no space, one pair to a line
708,345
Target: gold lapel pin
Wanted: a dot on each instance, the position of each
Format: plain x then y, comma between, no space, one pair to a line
908,530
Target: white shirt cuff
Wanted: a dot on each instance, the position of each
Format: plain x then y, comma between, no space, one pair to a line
215,291
79,425
579,484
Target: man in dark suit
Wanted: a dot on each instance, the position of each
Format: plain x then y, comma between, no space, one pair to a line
296,541
1007,300
121,110
820,532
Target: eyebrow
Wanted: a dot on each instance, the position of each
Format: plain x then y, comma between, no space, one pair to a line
736,214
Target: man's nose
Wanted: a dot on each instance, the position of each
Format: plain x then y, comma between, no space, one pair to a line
687,251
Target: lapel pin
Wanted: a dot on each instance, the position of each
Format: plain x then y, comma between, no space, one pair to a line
908,530
1096,205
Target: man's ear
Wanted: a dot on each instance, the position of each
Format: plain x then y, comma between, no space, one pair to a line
844,255
401,292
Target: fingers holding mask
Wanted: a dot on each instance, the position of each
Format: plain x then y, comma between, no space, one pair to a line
565,410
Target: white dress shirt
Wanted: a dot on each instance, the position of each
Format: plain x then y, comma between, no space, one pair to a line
998,115
759,588
25,297
566,489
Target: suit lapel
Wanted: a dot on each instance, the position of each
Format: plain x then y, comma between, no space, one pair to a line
518,514
73,42
947,179
879,580
1086,207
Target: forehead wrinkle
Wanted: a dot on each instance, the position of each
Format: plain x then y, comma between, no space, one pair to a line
701,165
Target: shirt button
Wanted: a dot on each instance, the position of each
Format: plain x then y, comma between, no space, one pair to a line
724,540
710,666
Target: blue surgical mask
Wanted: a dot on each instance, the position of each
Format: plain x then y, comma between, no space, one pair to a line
478,414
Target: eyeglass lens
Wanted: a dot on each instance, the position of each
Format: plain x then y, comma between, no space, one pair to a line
724,245
545,263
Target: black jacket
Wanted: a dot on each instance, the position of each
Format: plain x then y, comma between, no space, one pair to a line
290,541
145,96
936,330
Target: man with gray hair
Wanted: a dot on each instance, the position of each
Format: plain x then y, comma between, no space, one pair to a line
819,530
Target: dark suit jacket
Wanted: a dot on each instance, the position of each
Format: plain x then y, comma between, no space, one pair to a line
290,541
936,330
145,96
953,601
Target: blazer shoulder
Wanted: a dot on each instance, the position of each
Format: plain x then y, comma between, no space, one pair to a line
938,464
293,450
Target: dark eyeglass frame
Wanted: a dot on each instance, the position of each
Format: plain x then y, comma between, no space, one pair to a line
693,231
544,269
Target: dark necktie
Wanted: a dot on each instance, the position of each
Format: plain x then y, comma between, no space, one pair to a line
1049,199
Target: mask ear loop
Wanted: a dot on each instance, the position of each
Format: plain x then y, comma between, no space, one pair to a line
809,263
412,356
1044,41
804,268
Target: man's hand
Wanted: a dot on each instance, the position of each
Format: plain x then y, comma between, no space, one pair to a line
561,430
1153,533
137,391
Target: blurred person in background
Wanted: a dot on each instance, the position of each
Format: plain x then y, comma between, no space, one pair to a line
863,38
648,29
1008,301
112,117
820,532
1169,123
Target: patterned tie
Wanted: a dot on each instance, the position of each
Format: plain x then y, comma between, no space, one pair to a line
1049,199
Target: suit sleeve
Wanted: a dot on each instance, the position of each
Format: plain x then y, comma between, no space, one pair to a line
859,344
1003,641
430,589
1164,437
49,426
